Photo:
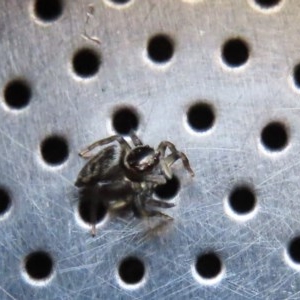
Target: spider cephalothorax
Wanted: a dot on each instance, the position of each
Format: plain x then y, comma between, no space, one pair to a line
142,159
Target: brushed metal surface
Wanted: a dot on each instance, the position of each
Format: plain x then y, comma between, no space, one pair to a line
43,214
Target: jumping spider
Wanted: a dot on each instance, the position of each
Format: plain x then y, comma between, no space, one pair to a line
129,175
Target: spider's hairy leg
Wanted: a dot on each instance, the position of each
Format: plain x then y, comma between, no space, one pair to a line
142,211
154,213
118,205
157,203
154,178
85,153
166,162
135,139
93,221
172,158
93,230
166,169
90,202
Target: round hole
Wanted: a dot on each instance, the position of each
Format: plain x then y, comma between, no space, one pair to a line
235,52
86,63
242,200
131,270
125,120
54,150
296,76
274,136
17,94
208,266
91,208
168,190
201,117
294,250
5,201
267,3
120,2
38,265
160,48
48,10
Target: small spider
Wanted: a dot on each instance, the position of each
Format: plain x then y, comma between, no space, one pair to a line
128,175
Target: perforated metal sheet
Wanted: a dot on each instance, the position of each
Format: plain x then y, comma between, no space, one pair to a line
43,215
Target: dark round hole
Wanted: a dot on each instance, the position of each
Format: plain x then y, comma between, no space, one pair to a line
5,201
120,1
296,75
131,270
125,120
48,10
38,265
17,94
294,250
201,117
168,190
91,208
208,265
274,136
86,62
54,150
242,200
160,48
235,52
267,3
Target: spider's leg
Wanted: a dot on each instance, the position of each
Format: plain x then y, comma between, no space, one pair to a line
93,230
185,162
155,178
165,168
89,199
166,162
118,205
142,211
93,222
155,213
117,138
172,158
135,139
157,203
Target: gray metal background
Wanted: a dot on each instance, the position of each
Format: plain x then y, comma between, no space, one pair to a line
43,215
